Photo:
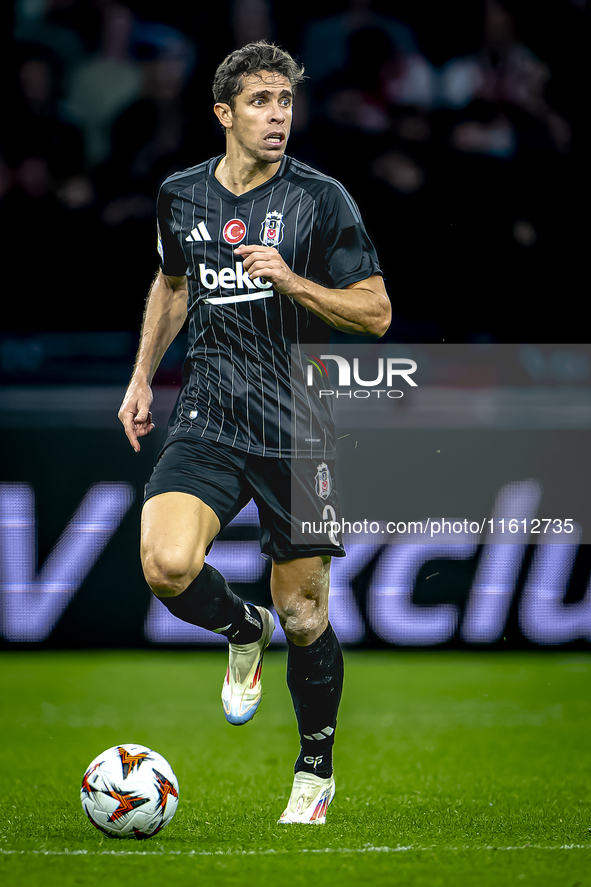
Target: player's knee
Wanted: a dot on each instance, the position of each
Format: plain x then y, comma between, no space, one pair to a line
302,621
168,573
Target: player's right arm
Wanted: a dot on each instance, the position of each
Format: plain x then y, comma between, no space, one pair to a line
166,310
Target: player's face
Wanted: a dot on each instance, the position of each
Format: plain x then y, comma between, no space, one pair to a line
261,119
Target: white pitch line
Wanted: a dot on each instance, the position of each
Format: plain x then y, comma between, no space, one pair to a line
271,852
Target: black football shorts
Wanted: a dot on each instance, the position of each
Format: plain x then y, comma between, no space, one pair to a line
296,498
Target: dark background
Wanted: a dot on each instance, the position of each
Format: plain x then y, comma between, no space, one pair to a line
457,127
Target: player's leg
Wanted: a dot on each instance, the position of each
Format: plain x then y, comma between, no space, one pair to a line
315,680
177,529
300,581
314,660
196,489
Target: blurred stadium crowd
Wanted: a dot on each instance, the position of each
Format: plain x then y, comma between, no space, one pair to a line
456,127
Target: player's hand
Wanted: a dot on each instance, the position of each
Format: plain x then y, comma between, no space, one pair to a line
135,413
265,262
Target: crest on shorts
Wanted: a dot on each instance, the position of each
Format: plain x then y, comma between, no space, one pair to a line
323,481
272,229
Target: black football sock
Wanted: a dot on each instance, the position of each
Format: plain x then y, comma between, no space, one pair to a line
210,603
315,681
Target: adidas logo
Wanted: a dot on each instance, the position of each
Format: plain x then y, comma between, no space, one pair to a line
198,234
326,732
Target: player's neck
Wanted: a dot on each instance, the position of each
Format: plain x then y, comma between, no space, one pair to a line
240,174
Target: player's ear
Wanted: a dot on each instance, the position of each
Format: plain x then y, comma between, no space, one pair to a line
223,112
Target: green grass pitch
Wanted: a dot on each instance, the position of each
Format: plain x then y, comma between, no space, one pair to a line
453,768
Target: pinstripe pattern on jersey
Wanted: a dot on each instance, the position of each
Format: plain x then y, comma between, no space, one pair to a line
237,385
310,173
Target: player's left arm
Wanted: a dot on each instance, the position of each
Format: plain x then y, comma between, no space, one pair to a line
363,308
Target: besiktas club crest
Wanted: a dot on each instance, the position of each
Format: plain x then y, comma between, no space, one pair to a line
323,481
272,229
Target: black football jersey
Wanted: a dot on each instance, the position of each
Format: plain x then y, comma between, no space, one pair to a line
244,378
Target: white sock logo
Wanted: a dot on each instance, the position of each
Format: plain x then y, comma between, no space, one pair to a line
326,732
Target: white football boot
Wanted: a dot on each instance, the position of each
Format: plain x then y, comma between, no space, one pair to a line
309,800
241,693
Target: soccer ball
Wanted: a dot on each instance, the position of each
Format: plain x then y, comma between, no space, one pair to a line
129,791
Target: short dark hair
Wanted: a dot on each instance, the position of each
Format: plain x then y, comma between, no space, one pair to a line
259,56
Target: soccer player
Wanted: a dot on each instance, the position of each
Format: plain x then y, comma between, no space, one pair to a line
264,254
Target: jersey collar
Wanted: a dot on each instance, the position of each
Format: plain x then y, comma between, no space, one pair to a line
248,196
